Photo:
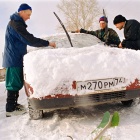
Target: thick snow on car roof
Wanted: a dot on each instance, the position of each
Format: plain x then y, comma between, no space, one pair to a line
46,69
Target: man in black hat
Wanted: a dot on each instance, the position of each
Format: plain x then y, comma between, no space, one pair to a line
16,40
131,32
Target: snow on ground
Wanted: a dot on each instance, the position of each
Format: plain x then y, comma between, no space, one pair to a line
77,123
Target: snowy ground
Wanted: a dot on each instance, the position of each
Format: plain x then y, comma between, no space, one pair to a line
77,123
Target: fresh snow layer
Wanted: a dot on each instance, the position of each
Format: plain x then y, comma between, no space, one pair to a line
46,69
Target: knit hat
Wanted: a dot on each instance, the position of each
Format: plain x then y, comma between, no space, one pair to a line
24,6
103,18
119,19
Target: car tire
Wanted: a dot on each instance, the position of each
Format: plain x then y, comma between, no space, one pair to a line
35,114
128,103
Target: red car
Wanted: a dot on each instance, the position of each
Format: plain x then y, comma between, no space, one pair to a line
100,91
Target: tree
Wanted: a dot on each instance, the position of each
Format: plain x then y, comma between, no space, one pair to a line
79,13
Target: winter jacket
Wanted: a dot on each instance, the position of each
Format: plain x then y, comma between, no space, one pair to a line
132,35
16,40
111,37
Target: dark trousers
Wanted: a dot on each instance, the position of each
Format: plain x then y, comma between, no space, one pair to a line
14,78
14,82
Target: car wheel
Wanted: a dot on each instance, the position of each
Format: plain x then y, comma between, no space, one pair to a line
128,103
35,114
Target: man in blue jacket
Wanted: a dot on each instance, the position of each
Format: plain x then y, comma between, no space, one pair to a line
16,40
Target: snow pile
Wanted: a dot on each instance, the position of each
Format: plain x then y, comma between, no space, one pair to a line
47,69
78,40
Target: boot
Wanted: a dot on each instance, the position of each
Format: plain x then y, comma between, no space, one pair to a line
11,105
17,104
11,101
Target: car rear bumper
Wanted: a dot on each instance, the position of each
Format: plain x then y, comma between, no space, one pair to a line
82,100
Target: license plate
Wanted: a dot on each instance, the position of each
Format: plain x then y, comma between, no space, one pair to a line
101,84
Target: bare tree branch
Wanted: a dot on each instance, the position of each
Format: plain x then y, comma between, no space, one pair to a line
79,13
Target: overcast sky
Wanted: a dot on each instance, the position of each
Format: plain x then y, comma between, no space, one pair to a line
43,22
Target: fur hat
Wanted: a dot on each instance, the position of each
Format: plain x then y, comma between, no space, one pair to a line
119,19
103,18
24,6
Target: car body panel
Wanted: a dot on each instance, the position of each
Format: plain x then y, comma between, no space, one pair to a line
61,101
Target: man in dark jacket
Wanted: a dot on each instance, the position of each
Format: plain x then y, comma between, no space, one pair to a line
131,32
105,34
16,40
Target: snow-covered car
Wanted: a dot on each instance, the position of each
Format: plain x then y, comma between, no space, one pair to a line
87,74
